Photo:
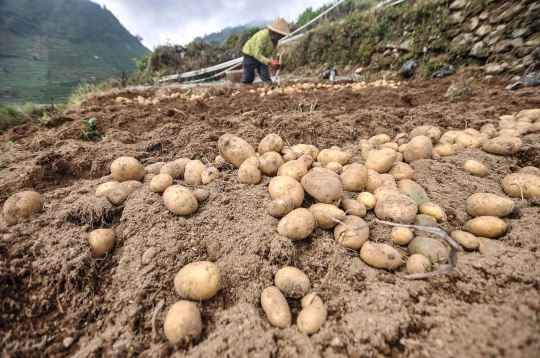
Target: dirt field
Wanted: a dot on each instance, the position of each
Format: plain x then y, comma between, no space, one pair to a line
51,288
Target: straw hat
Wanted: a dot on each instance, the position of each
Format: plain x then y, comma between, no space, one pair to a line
280,26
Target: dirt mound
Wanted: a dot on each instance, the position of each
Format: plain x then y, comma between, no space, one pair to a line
52,289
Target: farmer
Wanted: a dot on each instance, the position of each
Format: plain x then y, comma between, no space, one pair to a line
260,50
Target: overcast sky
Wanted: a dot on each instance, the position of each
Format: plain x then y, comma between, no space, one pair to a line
180,21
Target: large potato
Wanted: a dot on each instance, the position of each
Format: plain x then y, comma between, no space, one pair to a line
475,168
433,210
354,177
381,160
292,282
183,324
324,213
101,242
288,154
530,185
532,114
296,169
122,191
418,264
401,235
303,149
234,149
297,225
468,241
22,205
374,181
270,162
270,143
127,168
530,170
286,185
160,183
444,149
485,204
390,145
281,206
433,133
486,226
470,140
175,168
154,168
198,281
335,167
276,307
419,147
323,185
380,256
311,318
387,181
503,145
367,199
401,171
310,299
193,172
329,155
378,140
414,190
180,200
210,174
349,238
249,172
353,207
396,207
431,248
105,188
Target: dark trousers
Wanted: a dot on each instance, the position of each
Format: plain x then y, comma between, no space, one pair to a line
250,64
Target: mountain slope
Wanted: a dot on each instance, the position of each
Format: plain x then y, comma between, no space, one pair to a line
217,38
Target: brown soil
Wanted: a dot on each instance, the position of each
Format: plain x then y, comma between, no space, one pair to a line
51,288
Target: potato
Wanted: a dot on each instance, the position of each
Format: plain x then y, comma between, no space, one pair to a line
401,235
234,149
378,140
433,249
364,144
335,167
433,210
386,191
323,185
353,207
530,185
399,157
401,171
148,256
270,143
444,149
281,206
276,307
307,160
303,149
200,194
292,282
179,200
105,188
374,181
198,281
485,204
310,299
425,220
401,138
365,152
288,154
475,168
220,160
472,131
489,130
458,147
468,241
211,174
449,137
488,246
418,264
530,170
183,324
127,168
389,145
534,128
532,114
469,140
161,182
380,256
414,190
367,199
122,191
402,147
324,213
486,226
396,207
249,172
286,185
387,181
311,318
175,168
297,225
354,177
435,155
270,162
433,133
381,160
296,169
154,168
503,145
193,172
348,238
101,242
419,147
328,155
148,177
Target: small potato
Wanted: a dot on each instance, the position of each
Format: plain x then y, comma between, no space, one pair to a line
530,170
311,318
270,143
390,145
418,264
444,149
489,130
335,167
329,155
324,213
105,188
297,225
425,220
374,181
378,140
323,185
148,177
179,200
469,140
353,207
388,181
270,162
183,324
285,185
348,238
402,148
276,307
281,206
354,177
161,182
488,246
122,191
211,174
401,235
486,226
503,145
414,190
381,160
433,210
401,171
401,138
485,204
419,147
431,248
220,160
201,194
249,172
127,168
101,242
296,169
292,282
396,207
198,281
458,147
234,149
468,241
175,168
310,299
433,133
364,144
367,199
193,172
380,256
288,154
475,168
530,185
154,168
449,137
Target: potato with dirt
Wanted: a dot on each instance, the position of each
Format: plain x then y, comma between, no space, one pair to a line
475,168
297,225
105,188
193,172
486,204
367,199
381,160
433,133
465,239
275,307
281,206
270,162
127,168
285,185
380,256
433,249
296,169
353,207
491,227
323,185
249,172
160,183
292,282
354,177
520,183
503,145
198,281
374,181
154,168
175,168
311,318
234,149
183,324
330,155
418,264
209,175
288,154
396,207
353,234
378,139
335,167
270,143
419,147
324,215
530,170
401,235
444,149
433,210
305,149
401,171
414,190
122,191
180,200
22,205
469,140
101,242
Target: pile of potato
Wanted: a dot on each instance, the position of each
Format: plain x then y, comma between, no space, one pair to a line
158,99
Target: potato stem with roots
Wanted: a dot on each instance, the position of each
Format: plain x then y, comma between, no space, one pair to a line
520,190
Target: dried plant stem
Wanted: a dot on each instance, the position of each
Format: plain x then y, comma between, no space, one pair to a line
520,190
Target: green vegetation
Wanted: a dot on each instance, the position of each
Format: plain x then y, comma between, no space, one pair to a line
90,130
29,113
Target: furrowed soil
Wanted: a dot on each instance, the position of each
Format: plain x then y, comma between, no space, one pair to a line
51,288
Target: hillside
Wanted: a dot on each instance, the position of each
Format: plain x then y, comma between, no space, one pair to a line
217,38
48,47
